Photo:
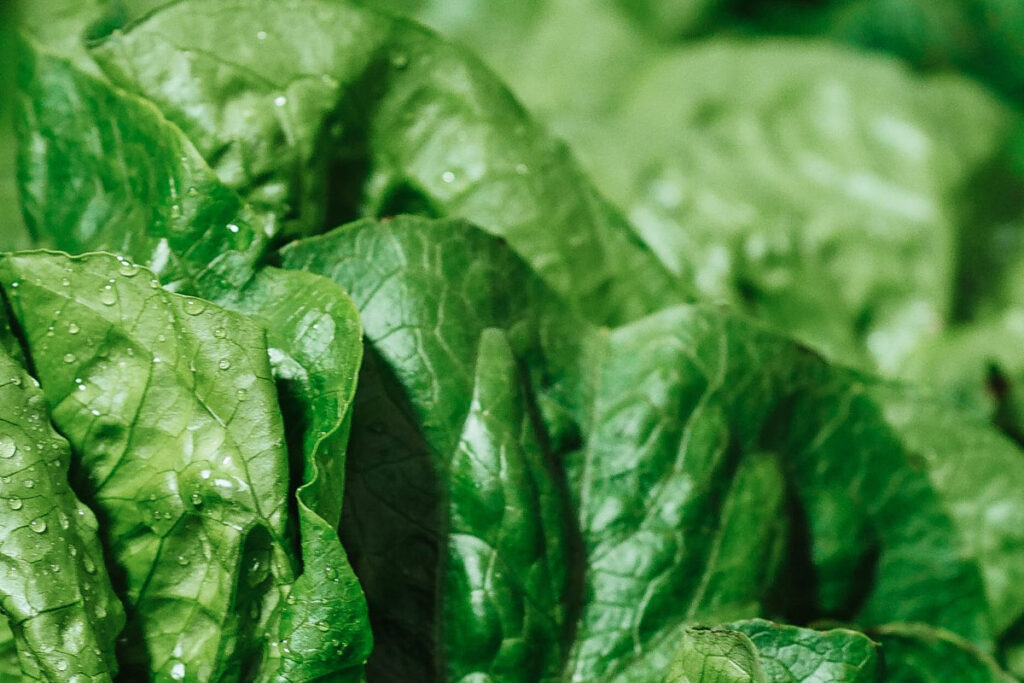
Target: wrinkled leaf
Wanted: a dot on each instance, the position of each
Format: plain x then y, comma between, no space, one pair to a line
396,119
54,592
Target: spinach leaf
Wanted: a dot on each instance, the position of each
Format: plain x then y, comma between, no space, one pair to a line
722,656
761,651
450,489
101,170
54,589
202,241
395,119
170,404
315,347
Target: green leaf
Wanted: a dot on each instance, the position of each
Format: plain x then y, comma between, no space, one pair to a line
762,651
170,403
790,653
102,170
916,652
9,667
683,514
315,342
201,240
715,656
396,119
818,196
54,592
441,427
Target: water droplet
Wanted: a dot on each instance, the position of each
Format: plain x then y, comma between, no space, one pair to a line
241,394
154,283
37,525
128,269
29,484
94,412
88,566
65,282
261,35
522,169
15,284
231,226
156,359
220,333
196,499
61,664
107,296
54,567
323,626
7,447
224,364
64,521
175,210
331,573
194,306
72,551
178,671
69,358
448,177
280,101
15,503
183,560
73,328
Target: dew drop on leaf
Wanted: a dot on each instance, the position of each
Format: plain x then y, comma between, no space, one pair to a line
194,306
15,503
7,447
37,525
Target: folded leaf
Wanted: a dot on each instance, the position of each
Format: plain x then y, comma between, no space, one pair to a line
170,404
203,241
315,344
396,119
54,589
441,428
102,170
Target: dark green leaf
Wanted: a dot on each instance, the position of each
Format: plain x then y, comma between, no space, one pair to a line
101,170
395,119
445,460
915,653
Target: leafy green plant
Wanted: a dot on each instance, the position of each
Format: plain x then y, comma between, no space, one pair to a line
330,363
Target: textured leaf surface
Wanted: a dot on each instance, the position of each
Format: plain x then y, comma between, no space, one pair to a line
789,654
441,426
208,246
171,404
716,656
54,589
315,344
438,132
102,170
